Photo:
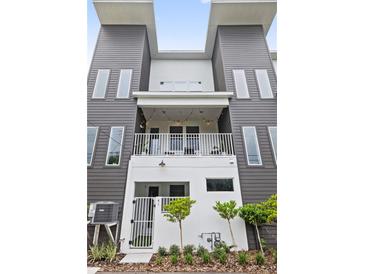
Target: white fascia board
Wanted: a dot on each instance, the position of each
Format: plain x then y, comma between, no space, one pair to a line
182,102
182,94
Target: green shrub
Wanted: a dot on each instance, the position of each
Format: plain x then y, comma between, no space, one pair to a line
162,251
110,251
242,258
224,246
159,260
174,259
218,251
201,250
206,257
223,258
188,259
260,259
96,253
103,252
189,249
174,250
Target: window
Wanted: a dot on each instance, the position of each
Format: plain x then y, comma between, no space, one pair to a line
273,138
101,83
264,83
252,146
240,83
219,184
177,190
124,85
115,146
91,140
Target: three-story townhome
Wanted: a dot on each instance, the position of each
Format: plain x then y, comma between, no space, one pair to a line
168,124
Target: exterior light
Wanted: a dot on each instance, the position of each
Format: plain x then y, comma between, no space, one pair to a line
162,164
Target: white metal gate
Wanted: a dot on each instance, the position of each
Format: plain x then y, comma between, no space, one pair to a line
142,222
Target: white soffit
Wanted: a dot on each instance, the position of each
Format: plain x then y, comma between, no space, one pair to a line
222,12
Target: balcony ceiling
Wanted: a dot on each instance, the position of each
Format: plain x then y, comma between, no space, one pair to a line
182,114
222,12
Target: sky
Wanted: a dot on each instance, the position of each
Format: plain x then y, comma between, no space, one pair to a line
180,25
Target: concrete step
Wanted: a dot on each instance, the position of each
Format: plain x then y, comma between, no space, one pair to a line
135,258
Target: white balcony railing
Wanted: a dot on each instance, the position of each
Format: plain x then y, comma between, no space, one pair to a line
183,144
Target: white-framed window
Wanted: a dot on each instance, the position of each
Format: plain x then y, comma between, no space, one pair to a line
124,85
252,146
101,83
115,146
264,83
92,133
240,82
273,139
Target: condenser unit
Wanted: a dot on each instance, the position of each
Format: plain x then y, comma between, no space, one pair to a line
104,213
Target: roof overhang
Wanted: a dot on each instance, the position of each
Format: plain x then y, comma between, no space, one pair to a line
222,13
182,99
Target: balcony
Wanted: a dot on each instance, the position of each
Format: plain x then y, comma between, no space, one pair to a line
183,144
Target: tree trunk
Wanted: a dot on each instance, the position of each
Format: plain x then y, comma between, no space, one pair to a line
258,236
181,239
230,229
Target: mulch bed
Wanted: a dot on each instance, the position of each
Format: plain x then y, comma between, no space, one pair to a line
198,266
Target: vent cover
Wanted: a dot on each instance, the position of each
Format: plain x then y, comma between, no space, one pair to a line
105,213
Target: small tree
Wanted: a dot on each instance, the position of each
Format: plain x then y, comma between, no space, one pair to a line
177,210
227,211
261,213
256,215
270,206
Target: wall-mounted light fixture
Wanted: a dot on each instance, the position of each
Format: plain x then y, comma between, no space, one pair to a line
162,164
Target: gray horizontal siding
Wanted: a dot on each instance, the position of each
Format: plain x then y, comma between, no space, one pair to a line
244,47
117,47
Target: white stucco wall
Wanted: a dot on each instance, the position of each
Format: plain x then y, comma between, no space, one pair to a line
181,70
203,218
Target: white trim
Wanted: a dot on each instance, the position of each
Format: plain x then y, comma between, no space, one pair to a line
260,84
92,153
120,149
106,84
272,143
182,94
129,84
257,146
237,79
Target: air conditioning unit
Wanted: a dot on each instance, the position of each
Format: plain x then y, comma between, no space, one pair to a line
104,212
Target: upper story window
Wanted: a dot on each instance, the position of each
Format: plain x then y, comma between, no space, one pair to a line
273,139
124,85
252,146
101,83
264,83
220,184
240,83
91,140
115,146
181,86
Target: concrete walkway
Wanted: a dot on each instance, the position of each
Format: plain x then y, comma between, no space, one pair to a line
92,270
136,258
